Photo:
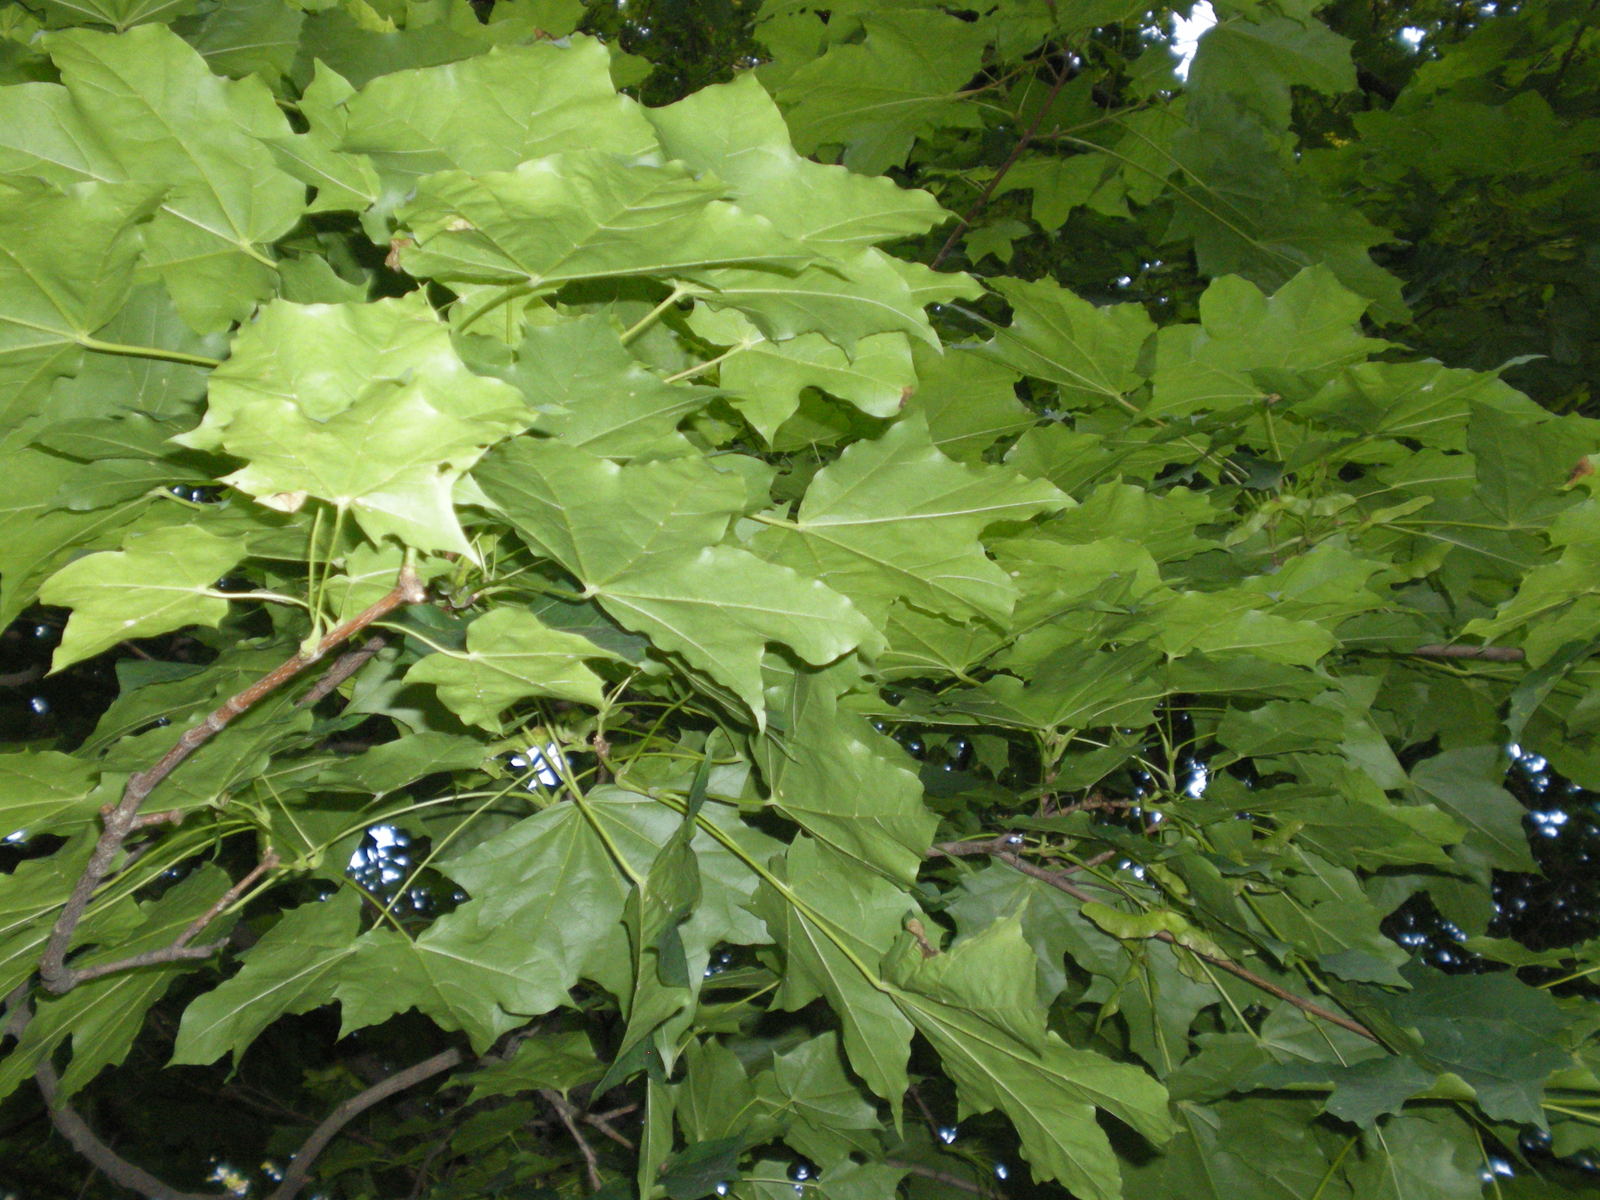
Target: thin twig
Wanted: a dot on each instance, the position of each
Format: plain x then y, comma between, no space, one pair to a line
971,214
1487,653
938,1176
124,819
180,950
420,1178
346,665
1577,36
987,846
564,1110
300,1166
18,678
602,1122
1003,850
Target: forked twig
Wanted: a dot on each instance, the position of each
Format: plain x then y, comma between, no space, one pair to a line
567,1113
180,950
124,820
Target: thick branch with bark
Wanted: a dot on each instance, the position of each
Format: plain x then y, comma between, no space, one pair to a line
1485,653
106,1160
71,1125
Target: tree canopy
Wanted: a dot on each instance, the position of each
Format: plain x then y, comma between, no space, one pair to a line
837,600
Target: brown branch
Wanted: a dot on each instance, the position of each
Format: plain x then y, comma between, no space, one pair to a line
299,1170
1487,653
180,950
420,1177
123,820
346,665
1023,142
938,1176
564,1110
1005,850
106,1160
75,1129
602,1122
1577,37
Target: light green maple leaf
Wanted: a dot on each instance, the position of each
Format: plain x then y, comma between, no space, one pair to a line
735,131
318,157
720,607
1090,353
977,1004
40,536
491,112
1233,622
159,581
845,299
366,406
142,106
458,972
842,781
640,540
767,377
600,520
1309,326
968,401
1259,61
44,791
895,519
847,922
66,266
603,399
510,656
120,14
581,214
548,897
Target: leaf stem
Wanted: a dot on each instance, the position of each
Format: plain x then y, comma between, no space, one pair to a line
156,352
706,366
644,322
833,932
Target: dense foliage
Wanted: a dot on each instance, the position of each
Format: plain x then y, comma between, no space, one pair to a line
842,600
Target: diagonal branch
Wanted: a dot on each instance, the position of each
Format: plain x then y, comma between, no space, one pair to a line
965,223
124,820
346,665
106,1160
299,1171
86,1142
567,1113
180,949
1004,849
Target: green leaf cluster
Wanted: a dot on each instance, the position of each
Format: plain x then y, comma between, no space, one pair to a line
854,697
